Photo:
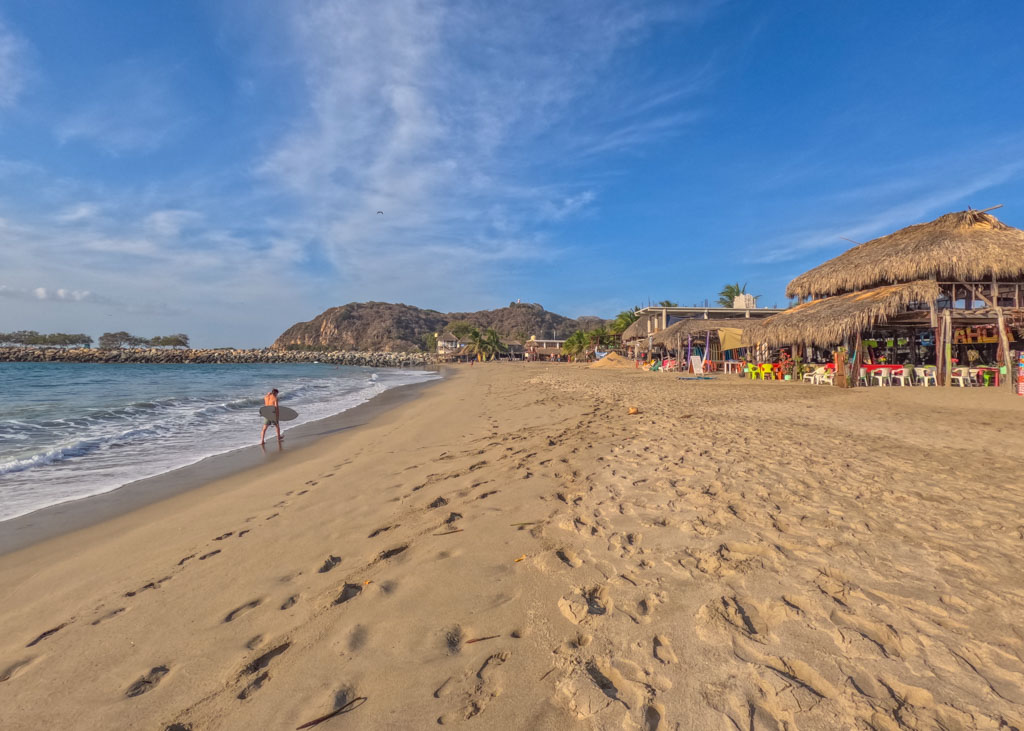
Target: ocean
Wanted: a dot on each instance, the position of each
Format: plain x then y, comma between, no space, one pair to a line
71,430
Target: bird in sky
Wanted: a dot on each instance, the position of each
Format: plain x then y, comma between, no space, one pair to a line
381,212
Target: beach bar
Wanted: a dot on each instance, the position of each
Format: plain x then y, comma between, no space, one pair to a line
949,293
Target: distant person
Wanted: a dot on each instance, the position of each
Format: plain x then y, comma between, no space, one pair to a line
271,400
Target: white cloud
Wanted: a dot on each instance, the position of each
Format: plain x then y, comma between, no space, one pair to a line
48,294
13,66
424,110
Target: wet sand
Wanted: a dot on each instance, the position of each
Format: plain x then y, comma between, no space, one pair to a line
511,550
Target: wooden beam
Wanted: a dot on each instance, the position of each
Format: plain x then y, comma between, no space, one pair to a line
1004,344
947,346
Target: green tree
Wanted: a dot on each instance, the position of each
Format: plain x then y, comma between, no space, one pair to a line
668,303
485,345
575,344
598,338
732,291
429,341
623,320
461,329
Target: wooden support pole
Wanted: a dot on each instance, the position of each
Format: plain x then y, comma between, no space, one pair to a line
947,345
1004,344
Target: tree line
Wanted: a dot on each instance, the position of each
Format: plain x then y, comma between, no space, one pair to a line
107,341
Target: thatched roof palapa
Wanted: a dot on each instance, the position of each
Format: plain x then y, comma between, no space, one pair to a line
828,321
964,246
697,326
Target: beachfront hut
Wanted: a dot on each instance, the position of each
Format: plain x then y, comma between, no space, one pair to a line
714,335
961,270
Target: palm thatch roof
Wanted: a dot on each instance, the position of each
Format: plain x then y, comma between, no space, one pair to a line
828,321
966,246
697,326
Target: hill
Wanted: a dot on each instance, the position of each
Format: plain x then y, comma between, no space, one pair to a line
387,327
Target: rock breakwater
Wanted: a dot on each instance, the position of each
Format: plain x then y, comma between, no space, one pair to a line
264,355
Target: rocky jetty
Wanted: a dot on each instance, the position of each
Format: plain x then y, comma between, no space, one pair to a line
265,355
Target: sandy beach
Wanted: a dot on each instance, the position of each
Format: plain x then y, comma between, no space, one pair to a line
511,550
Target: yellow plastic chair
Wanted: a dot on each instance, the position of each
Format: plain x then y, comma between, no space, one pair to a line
766,372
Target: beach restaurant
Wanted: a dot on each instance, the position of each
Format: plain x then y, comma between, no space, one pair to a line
931,304
645,339
713,341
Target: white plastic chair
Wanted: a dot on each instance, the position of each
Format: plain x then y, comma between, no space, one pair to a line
862,379
961,377
812,376
902,376
882,376
925,377
828,377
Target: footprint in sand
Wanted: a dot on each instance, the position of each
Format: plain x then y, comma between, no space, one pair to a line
385,529
12,670
290,601
348,593
208,555
47,633
472,693
238,612
147,682
329,564
392,552
569,557
663,650
258,667
109,615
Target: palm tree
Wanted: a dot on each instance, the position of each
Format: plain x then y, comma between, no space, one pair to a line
598,338
623,320
485,345
668,303
575,344
730,292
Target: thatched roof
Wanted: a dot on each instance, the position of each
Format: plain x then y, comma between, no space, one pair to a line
697,326
828,321
967,246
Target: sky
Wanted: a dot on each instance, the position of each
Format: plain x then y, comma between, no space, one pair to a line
217,167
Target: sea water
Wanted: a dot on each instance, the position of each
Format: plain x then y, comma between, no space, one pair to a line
70,430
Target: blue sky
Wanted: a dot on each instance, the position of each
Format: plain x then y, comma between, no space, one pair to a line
216,167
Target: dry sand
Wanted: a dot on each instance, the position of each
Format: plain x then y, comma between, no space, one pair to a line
512,551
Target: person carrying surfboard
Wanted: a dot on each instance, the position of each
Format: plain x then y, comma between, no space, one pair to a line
271,400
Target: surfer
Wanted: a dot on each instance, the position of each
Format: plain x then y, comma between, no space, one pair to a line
271,400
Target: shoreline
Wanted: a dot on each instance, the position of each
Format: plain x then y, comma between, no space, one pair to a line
67,517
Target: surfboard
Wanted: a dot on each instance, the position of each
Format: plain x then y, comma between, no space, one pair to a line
287,414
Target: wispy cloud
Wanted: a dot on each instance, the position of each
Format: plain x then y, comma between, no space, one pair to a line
421,110
134,109
895,202
13,65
